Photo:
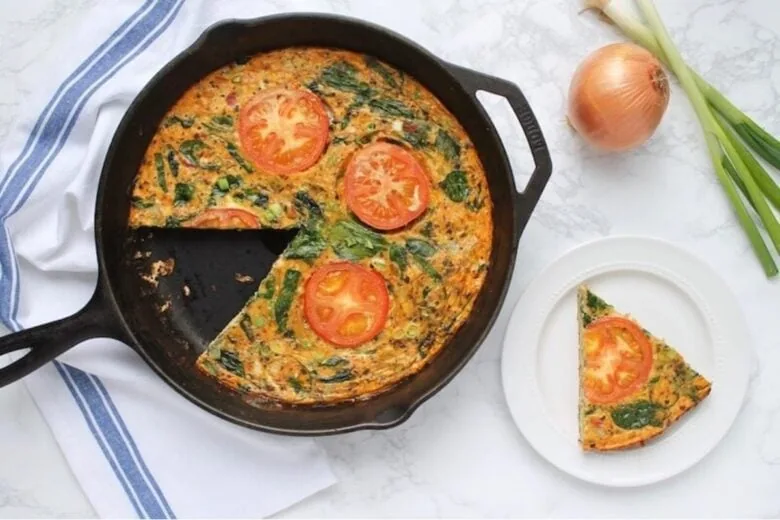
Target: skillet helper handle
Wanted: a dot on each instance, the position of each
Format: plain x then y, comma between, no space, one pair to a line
47,341
475,81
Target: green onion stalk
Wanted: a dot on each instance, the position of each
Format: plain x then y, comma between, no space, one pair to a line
723,125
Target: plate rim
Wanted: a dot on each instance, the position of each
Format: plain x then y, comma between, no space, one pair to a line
737,319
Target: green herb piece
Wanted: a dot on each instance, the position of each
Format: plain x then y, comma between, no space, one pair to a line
236,155
246,326
223,123
352,241
636,415
184,122
654,379
427,229
425,345
160,166
398,256
475,205
257,198
283,302
456,186
173,164
415,133
172,222
589,410
387,75
391,107
344,374
268,287
183,193
448,147
586,319
307,245
420,248
231,362
306,205
191,150
339,140
296,385
273,212
141,203
227,183
343,76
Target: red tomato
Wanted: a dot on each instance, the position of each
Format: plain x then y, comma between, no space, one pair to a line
283,130
346,304
385,186
618,359
225,219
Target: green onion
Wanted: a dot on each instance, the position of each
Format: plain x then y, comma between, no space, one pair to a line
728,131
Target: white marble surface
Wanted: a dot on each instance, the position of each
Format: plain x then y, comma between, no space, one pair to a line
460,454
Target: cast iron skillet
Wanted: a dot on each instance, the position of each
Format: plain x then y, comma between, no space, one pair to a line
127,309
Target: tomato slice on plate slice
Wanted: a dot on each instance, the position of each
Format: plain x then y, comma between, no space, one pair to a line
228,218
618,358
283,130
385,186
345,303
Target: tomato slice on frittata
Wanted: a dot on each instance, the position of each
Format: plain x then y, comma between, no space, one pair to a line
633,385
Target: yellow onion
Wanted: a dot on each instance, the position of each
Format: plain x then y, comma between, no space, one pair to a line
617,97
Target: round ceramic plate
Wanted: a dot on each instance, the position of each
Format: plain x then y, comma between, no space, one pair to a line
672,294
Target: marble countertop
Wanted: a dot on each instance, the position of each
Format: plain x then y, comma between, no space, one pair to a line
460,454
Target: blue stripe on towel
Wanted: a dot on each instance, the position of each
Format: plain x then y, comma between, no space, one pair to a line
47,138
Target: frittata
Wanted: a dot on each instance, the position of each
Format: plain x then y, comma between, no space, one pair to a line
387,191
633,385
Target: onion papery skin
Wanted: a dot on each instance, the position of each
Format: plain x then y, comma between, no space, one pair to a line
618,96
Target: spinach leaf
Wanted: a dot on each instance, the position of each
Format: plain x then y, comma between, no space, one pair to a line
595,303
345,374
352,241
343,76
351,109
420,248
306,205
636,415
223,123
421,251
159,164
333,361
183,193
375,65
448,147
246,326
283,302
415,133
141,203
231,362
586,319
307,245
267,289
425,345
191,150
398,255
236,155
456,185
173,164
184,122
391,107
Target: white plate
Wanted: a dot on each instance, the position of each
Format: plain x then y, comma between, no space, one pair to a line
675,296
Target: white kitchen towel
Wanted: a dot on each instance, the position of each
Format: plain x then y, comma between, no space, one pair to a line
137,448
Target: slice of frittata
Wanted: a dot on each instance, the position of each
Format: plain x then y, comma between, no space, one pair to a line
633,385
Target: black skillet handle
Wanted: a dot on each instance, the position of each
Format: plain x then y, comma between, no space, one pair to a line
473,82
49,340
